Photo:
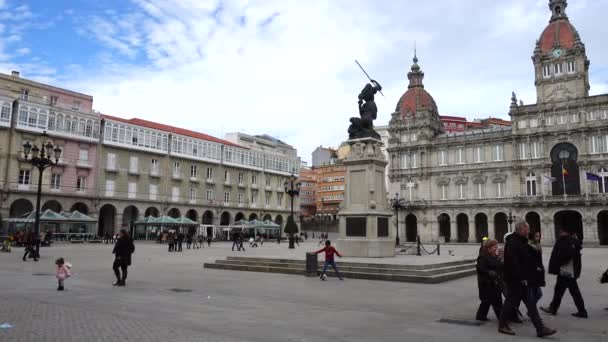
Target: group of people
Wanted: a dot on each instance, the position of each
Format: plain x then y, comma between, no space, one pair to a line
517,272
176,241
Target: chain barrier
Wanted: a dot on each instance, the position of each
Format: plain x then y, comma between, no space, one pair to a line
436,250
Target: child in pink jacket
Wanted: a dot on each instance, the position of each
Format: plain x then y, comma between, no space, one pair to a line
63,272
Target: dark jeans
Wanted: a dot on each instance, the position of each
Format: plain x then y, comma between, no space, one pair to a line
235,244
331,263
117,267
31,251
491,297
516,292
179,246
571,284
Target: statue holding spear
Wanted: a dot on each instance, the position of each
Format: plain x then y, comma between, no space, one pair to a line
363,127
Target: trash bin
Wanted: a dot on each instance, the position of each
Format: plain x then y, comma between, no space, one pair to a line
311,264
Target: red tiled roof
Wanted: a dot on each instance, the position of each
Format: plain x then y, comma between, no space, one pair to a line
416,98
558,33
454,118
171,129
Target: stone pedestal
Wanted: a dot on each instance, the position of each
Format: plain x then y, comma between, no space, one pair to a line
364,216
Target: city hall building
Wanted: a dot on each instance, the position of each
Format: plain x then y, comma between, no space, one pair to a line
549,167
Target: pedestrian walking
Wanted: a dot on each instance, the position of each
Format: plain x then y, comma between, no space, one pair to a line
330,251
122,251
235,241
63,272
535,269
30,248
189,241
171,242
180,241
208,240
489,269
241,239
516,262
566,264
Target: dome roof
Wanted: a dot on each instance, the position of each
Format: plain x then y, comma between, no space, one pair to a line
559,33
414,99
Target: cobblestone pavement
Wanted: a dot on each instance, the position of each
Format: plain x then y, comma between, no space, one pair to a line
215,305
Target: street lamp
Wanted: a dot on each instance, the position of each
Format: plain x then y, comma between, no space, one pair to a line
42,158
510,220
292,188
397,203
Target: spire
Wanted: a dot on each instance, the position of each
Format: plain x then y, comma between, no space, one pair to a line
415,75
558,9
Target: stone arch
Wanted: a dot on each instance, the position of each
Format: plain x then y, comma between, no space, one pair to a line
481,226
20,207
239,216
152,211
570,219
444,226
225,219
129,215
106,220
81,207
533,220
253,216
564,156
602,227
501,226
208,217
53,205
267,217
192,214
462,227
279,220
411,228
174,212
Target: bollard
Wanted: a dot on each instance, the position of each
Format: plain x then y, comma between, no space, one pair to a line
438,250
311,264
418,246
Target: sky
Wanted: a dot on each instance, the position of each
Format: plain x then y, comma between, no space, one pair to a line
284,67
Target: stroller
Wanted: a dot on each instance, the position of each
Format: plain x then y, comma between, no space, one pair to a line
6,246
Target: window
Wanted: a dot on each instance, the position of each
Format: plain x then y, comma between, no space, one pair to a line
133,165
210,195
550,120
478,154
267,198
83,155
209,173
254,197
109,188
414,160
571,67
280,199
81,183
55,181
33,118
23,114
154,166
603,182
254,179
241,176
241,197
444,193
523,150
535,151
192,195
596,144
414,137
226,197
54,100
461,191
111,161
498,152
574,117
227,176
76,105
561,119
132,190
499,190
42,117
546,71
558,68
175,194
176,170
267,180
531,185
5,112
153,192
443,157
533,123
480,191
193,171
460,156
404,157
25,94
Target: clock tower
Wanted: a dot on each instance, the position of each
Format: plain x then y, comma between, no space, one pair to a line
561,66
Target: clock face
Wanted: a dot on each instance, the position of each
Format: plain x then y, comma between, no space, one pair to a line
558,52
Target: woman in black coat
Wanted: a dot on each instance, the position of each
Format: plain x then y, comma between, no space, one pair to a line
122,251
535,272
488,277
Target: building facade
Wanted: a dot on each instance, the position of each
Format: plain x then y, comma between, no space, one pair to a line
308,193
550,167
120,170
323,156
330,190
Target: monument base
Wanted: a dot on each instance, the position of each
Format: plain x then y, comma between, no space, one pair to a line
367,248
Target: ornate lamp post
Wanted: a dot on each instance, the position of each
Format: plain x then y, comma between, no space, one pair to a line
397,203
42,158
292,188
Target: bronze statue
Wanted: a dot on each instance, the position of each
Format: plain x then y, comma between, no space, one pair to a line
363,127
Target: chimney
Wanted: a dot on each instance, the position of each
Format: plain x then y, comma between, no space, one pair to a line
15,73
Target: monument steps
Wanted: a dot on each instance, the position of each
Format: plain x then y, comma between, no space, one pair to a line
427,274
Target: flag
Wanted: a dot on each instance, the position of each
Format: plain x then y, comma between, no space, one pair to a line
548,179
564,171
593,177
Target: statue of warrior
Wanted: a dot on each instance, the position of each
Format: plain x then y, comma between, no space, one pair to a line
364,126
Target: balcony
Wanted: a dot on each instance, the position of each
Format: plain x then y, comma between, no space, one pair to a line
253,205
209,181
23,187
176,177
242,185
192,201
111,168
227,183
84,164
194,180
280,189
154,173
133,172
241,205
268,188
254,186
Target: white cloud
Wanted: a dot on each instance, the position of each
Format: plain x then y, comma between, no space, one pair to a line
204,68
23,51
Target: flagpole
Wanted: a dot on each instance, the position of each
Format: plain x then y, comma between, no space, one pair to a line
544,187
564,180
586,187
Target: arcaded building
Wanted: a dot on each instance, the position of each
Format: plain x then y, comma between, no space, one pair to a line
550,167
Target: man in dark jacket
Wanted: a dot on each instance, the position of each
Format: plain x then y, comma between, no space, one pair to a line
122,250
566,263
516,264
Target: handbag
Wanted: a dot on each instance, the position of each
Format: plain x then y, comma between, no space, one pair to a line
604,277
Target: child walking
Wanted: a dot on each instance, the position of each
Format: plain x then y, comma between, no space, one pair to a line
63,272
329,260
